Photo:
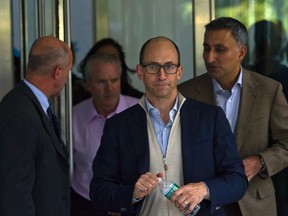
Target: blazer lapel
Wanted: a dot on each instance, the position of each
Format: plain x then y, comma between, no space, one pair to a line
247,101
58,144
27,91
248,96
139,135
205,94
189,121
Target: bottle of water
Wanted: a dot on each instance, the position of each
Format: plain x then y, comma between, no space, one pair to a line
168,187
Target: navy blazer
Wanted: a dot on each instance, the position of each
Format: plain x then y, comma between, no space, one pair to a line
209,154
34,169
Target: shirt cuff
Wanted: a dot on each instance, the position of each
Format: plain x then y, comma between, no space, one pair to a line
134,200
263,171
207,197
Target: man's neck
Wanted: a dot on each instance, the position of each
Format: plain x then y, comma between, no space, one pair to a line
164,105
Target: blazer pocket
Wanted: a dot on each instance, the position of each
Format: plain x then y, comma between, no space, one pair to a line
266,191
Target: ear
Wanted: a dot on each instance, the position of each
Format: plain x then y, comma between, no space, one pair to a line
87,86
242,51
139,71
57,72
180,72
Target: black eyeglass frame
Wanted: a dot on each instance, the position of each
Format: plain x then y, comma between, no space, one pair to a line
161,66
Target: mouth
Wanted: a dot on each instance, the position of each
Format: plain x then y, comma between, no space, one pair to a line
161,85
212,66
109,96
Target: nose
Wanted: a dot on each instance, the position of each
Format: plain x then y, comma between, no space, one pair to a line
209,56
108,86
162,73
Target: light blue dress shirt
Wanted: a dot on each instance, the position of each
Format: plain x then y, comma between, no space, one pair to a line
229,100
42,98
162,131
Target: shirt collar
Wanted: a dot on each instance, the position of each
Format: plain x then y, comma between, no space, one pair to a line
42,98
218,88
150,107
92,112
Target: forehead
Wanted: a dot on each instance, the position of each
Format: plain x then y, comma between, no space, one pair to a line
159,50
219,37
104,68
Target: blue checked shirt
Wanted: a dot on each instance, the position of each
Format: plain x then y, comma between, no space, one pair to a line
229,100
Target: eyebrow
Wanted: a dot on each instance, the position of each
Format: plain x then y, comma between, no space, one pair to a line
214,45
157,63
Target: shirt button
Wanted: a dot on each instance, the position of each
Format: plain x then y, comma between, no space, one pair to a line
64,199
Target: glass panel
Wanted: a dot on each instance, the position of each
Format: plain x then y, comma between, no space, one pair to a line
132,22
38,17
6,68
267,29
203,13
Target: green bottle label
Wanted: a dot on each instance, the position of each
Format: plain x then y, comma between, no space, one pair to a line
174,187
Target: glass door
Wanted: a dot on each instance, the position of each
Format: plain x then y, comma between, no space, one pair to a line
6,60
132,22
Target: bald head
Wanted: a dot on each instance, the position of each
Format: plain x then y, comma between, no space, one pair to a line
155,39
49,64
46,53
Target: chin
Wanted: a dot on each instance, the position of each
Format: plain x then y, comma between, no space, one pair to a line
212,74
162,94
55,94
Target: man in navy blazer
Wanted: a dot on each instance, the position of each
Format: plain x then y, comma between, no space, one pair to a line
34,168
195,136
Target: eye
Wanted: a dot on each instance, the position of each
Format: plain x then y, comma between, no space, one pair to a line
169,67
153,67
100,82
220,50
115,80
206,48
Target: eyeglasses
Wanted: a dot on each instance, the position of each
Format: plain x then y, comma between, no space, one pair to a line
155,68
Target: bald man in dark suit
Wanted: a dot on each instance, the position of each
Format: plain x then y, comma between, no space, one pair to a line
34,170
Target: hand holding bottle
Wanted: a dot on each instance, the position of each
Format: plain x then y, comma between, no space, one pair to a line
168,188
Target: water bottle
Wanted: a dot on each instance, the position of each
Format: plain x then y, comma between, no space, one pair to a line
168,187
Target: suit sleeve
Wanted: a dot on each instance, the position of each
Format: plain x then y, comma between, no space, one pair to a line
230,183
107,189
276,156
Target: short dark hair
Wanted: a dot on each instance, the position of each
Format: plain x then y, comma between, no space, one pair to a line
102,43
126,87
106,58
238,29
141,56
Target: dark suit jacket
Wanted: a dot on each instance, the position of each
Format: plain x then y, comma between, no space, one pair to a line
209,154
34,174
262,123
